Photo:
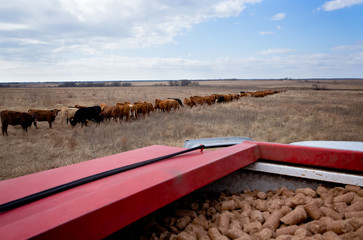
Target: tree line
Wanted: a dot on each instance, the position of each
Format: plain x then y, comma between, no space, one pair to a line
95,84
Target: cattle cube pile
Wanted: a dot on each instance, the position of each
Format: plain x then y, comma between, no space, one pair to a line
324,213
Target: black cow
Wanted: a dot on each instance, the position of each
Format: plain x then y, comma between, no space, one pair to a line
221,99
87,113
15,118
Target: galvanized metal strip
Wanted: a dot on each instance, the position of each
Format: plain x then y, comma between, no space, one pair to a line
308,173
218,141
344,145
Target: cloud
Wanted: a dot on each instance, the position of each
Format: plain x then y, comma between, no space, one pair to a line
228,8
266,33
12,26
357,46
61,40
105,26
339,4
276,51
335,64
278,17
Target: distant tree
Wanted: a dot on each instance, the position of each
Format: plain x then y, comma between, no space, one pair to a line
86,84
99,84
92,84
185,82
115,84
68,84
126,84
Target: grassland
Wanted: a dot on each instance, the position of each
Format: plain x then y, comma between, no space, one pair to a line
301,113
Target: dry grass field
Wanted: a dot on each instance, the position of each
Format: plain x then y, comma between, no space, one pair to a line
301,113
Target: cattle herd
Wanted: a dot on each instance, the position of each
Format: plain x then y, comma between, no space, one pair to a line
103,112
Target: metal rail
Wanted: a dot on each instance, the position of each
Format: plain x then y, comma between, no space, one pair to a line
307,173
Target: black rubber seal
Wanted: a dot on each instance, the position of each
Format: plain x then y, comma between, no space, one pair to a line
51,191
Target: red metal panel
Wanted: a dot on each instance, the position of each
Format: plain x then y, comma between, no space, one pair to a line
97,209
313,156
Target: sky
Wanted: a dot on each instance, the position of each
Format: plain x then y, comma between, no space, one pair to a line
92,40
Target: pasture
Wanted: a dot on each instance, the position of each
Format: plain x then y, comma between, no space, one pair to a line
301,113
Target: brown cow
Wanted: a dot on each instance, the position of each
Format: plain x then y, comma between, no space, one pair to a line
161,104
140,108
173,104
125,110
235,96
215,97
150,107
109,112
227,97
178,100
143,108
44,115
259,94
167,104
102,105
15,118
202,100
189,102
198,100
